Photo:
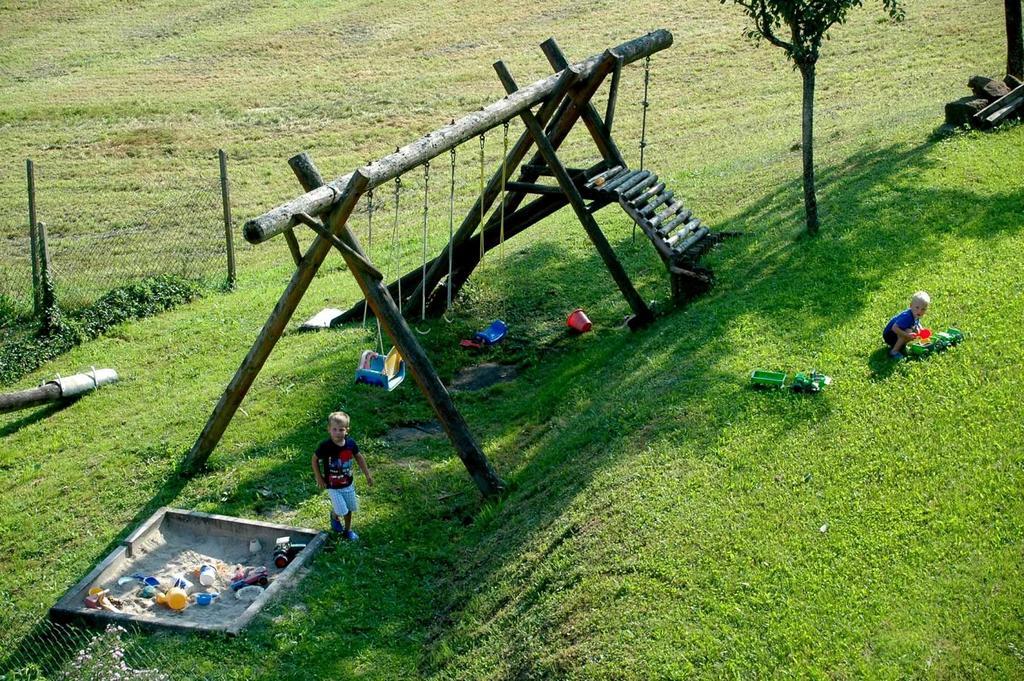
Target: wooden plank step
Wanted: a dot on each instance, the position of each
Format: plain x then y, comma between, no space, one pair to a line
665,214
639,201
597,181
675,222
653,205
629,184
697,236
638,189
619,180
689,228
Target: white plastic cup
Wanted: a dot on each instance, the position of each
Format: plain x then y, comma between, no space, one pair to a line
207,575
182,582
255,546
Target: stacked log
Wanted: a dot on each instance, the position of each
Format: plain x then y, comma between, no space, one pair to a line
963,112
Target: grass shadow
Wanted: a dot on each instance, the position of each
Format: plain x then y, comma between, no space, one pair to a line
35,416
881,364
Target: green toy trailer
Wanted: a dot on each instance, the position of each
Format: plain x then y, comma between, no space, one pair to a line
811,381
768,379
936,342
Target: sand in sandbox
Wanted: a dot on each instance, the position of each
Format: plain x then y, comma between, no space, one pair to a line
165,557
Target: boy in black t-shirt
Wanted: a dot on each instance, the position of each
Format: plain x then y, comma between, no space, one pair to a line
332,467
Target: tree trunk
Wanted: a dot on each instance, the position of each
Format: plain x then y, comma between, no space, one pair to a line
810,198
1014,39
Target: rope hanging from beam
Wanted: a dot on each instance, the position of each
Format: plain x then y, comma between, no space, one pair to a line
451,236
482,249
369,242
423,266
393,262
645,104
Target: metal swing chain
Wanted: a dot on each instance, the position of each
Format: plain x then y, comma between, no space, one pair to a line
645,104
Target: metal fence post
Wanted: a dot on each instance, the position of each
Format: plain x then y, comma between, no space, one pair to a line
225,197
37,289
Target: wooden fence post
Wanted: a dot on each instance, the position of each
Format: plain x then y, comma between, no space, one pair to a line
225,197
37,287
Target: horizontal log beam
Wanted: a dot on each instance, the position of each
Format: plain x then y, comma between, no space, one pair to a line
323,198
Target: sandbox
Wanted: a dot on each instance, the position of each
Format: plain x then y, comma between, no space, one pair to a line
173,543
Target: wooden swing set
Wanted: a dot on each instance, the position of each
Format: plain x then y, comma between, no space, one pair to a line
562,99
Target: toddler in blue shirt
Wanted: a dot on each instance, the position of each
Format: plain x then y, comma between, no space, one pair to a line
903,328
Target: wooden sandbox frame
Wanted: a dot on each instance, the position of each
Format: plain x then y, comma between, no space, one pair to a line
70,606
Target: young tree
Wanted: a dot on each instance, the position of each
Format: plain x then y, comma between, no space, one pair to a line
1014,40
798,27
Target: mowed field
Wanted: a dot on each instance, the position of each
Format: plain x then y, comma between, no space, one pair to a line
662,519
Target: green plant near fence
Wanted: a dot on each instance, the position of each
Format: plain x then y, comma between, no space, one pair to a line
23,351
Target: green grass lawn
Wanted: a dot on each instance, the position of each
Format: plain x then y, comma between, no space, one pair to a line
663,520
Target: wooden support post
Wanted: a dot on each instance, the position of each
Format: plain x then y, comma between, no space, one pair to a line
642,315
602,138
613,95
293,245
225,198
556,132
493,188
409,279
467,253
33,236
392,322
23,399
358,258
271,333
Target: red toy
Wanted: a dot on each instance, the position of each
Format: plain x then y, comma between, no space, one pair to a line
251,576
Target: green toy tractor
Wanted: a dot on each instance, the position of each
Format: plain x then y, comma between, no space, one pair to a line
810,382
934,342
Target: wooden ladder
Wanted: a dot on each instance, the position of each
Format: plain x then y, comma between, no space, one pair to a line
678,236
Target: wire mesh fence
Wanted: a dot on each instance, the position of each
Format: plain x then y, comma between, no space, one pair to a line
63,652
15,273
109,234
183,237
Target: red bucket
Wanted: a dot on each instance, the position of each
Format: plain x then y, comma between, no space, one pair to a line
578,321
924,334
